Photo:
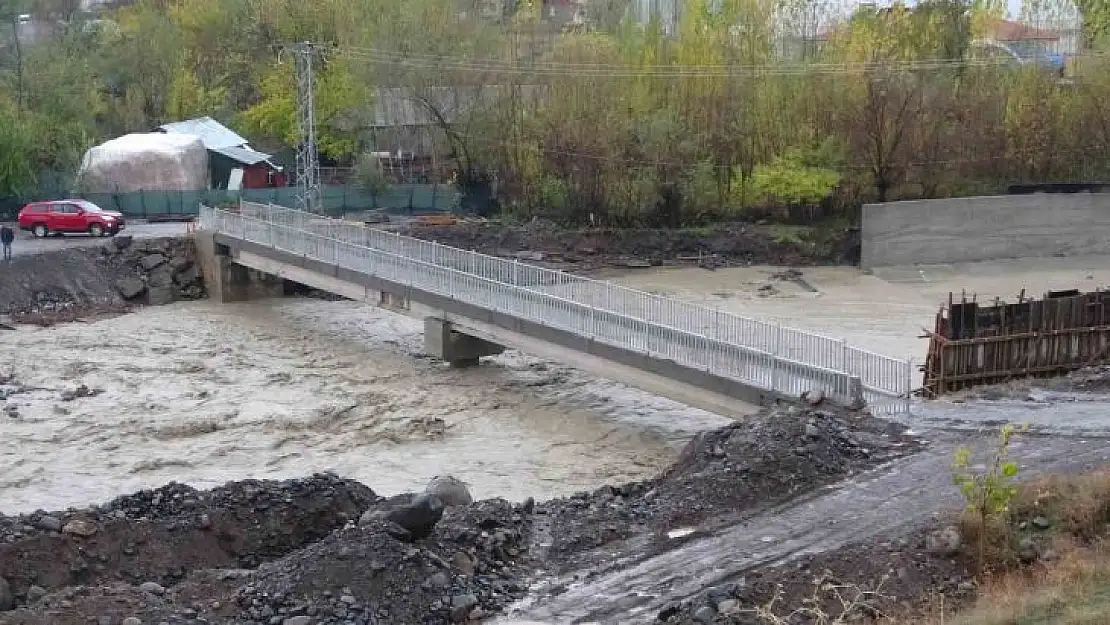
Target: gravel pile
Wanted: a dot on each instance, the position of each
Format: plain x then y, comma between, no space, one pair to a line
473,565
162,535
725,474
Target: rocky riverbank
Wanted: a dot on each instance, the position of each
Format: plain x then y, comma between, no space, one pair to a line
77,282
325,550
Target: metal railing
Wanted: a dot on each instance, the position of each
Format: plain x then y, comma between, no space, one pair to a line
766,355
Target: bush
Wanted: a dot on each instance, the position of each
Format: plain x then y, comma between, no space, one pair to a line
988,493
370,176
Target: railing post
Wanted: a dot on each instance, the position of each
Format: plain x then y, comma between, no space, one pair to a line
776,354
908,385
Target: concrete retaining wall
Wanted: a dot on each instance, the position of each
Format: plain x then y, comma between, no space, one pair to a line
985,228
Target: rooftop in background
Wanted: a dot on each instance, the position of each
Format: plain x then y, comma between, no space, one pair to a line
996,29
219,139
212,133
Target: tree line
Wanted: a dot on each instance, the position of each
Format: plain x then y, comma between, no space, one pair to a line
734,108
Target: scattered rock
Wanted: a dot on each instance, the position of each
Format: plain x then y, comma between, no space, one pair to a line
1028,550
132,620
945,542
814,397
34,593
297,620
152,588
728,606
130,288
160,295
187,276
49,523
465,563
461,605
162,277
450,490
150,261
1041,523
79,527
705,614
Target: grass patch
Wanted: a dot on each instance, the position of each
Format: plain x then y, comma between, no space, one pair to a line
1072,590
1059,507
790,235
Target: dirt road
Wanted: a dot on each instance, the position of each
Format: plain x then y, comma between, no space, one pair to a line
896,497
26,244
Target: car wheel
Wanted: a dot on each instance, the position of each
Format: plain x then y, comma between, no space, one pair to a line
96,230
41,231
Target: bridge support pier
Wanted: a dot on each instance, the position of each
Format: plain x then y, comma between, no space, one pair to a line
461,350
225,281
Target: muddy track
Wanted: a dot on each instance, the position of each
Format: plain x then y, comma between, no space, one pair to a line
896,497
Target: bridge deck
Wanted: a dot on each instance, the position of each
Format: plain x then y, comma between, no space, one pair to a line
780,360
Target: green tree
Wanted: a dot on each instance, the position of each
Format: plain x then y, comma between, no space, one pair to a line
1096,21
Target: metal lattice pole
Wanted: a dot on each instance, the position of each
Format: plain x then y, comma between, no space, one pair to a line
308,163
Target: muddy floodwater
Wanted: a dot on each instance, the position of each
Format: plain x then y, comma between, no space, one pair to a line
204,393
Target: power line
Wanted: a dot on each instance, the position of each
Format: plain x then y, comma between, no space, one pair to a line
490,65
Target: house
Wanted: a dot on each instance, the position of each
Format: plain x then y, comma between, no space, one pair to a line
1021,39
1028,39
228,152
408,129
574,14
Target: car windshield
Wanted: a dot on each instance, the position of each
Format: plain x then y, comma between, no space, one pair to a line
90,207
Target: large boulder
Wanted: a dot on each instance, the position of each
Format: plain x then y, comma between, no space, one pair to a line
145,162
416,516
451,490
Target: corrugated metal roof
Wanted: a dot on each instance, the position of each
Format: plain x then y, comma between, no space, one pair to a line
245,156
212,133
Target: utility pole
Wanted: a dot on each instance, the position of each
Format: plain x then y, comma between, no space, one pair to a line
308,162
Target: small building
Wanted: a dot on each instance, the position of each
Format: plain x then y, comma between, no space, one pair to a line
229,153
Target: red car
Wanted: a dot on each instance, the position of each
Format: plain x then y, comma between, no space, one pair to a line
69,216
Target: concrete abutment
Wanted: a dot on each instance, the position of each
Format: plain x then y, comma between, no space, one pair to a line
225,280
442,341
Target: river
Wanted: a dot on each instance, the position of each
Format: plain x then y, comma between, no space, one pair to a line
204,393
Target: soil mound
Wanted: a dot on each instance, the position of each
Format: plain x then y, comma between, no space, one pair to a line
726,474
161,535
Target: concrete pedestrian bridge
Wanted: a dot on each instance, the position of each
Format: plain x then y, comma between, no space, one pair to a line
474,305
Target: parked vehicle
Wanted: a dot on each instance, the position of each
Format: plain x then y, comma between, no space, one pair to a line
1020,53
60,217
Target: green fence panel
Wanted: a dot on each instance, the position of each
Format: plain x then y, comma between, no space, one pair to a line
336,200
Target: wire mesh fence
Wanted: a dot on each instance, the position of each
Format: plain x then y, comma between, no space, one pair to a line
336,200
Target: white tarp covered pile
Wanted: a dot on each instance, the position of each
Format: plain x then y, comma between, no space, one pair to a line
145,162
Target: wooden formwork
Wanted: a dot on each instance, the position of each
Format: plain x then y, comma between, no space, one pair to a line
973,344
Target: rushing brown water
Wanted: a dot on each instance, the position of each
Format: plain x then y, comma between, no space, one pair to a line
203,393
